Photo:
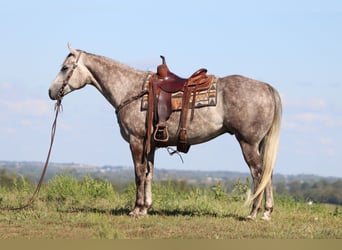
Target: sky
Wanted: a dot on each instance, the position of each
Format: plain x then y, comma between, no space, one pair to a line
296,46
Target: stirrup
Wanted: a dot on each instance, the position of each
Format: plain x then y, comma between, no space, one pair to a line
161,134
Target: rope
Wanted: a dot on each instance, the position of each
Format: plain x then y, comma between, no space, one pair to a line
58,108
172,151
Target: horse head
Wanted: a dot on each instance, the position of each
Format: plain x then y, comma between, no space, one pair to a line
73,75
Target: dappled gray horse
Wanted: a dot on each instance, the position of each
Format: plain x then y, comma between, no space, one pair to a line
249,109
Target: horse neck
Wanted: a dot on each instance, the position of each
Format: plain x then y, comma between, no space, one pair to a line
116,81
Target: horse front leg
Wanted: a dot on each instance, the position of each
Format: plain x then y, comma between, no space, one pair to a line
148,179
143,167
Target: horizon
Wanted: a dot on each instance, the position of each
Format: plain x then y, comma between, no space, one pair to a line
131,168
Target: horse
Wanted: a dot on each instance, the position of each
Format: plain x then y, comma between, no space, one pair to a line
249,109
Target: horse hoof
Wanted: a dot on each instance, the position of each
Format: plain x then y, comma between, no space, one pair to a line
137,213
250,218
266,217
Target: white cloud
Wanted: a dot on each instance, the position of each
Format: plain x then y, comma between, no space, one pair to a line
307,104
319,119
145,64
310,115
26,122
326,140
328,146
7,131
27,107
5,86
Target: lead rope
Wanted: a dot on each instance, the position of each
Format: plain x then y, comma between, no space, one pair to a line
58,108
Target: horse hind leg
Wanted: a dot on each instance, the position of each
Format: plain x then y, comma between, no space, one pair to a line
268,202
253,159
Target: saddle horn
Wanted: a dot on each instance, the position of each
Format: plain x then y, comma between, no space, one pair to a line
163,59
162,69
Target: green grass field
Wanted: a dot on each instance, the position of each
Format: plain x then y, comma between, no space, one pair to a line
91,209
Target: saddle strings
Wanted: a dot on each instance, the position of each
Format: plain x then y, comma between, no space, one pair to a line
173,151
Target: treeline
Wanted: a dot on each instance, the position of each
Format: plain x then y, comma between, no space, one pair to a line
320,190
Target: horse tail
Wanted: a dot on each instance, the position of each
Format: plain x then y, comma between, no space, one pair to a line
269,149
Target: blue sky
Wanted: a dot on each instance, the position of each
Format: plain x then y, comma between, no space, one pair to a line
293,45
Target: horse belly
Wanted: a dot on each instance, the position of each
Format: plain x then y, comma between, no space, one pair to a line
207,124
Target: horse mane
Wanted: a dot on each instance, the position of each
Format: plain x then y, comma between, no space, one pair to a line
112,61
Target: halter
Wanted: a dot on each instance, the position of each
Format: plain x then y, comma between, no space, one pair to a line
66,80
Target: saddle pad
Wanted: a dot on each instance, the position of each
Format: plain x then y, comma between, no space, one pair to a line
204,98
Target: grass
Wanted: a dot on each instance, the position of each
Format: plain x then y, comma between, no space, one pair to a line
91,209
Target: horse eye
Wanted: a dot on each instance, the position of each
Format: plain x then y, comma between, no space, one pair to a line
64,68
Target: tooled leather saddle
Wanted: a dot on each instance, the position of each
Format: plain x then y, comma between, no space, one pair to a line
161,86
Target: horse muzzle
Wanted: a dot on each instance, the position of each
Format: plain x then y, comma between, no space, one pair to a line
52,94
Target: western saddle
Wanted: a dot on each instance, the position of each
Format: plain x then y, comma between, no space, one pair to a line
161,86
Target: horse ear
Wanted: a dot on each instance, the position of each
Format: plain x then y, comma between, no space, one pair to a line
72,50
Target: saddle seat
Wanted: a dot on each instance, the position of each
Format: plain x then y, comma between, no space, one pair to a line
162,85
171,83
